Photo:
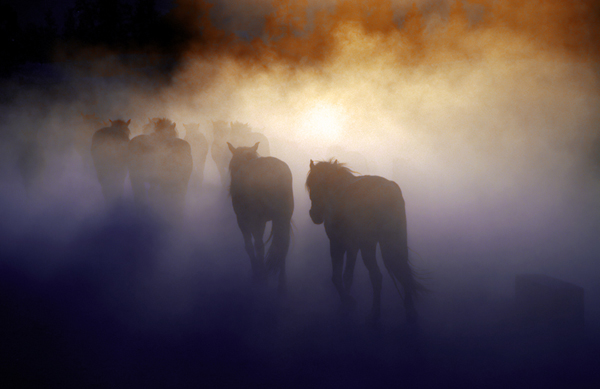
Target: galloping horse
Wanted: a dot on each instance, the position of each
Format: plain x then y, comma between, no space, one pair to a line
109,153
164,163
199,145
261,191
359,212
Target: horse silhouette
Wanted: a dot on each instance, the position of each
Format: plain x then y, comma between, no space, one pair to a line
199,145
238,134
109,153
360,212
160,166
261,191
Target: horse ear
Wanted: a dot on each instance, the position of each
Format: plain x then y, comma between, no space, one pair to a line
110,121
231,148
312,164
129,121
255,147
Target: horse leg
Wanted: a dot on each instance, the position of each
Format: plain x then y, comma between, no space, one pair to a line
110,187
368,254
247,234
349,270
398,265
281,238
223,172
258,232
337,261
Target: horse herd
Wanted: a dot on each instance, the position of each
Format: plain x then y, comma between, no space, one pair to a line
358,212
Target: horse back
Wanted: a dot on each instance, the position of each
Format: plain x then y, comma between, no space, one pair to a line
371,208
263,185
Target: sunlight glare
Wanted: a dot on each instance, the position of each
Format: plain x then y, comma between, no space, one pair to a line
323,122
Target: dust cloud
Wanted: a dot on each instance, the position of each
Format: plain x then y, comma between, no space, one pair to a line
485,113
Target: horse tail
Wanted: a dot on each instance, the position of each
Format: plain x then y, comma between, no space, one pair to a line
280,234
397,263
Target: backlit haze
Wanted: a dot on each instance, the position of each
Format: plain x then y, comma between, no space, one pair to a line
486,113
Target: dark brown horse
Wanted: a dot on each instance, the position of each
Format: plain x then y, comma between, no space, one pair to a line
261,191
109,153
360,212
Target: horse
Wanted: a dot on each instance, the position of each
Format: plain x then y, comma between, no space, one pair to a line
360,212
109,154
160,166
261,191
199,145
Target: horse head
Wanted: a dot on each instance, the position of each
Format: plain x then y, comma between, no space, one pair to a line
121,126
241,155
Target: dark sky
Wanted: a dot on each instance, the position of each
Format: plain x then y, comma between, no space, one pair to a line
33,11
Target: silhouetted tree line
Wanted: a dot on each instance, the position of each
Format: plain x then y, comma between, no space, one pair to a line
112,24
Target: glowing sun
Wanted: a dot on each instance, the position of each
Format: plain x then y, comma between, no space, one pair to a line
323,122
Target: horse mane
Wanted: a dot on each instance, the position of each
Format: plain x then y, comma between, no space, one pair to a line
329,168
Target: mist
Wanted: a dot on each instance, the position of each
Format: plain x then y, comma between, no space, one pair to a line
485,114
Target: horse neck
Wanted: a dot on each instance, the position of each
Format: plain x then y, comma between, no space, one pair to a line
341,181
236,167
